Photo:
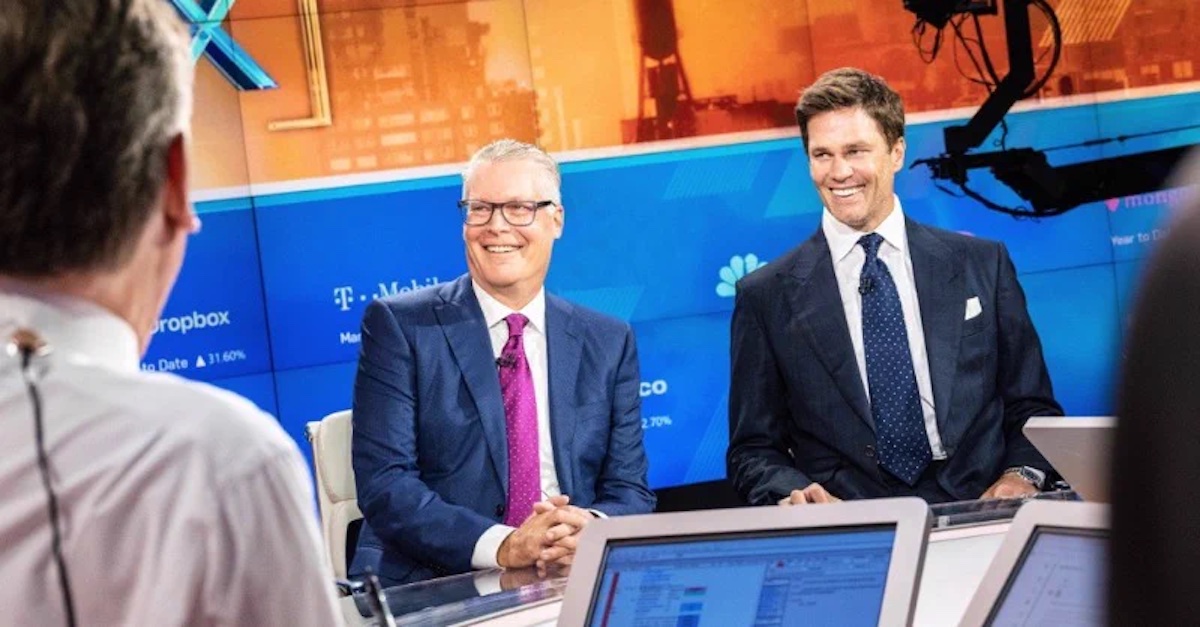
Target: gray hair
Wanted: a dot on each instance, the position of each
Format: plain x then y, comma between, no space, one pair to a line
94,93
513,150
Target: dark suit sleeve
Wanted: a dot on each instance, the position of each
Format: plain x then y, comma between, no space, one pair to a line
397,505
1022,379
759,462
622,487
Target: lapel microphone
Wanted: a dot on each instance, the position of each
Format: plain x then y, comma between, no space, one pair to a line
506,360
28,344
865,285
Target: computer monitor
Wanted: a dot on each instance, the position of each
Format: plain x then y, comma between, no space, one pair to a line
844,564
1079,448
1050,570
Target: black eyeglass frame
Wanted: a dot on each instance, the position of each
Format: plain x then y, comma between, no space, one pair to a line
532,206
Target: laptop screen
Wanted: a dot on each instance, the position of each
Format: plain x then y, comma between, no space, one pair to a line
784,577
1059,580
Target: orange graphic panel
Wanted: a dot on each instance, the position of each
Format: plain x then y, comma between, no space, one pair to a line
1106,45
256,9
385,85
218,147
616,72
407,87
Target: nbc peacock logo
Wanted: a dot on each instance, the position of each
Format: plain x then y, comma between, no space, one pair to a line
739,266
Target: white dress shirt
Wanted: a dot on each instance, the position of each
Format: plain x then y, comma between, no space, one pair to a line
179,503
534,340
848,258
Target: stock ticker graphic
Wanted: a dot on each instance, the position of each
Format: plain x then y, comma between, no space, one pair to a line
214,324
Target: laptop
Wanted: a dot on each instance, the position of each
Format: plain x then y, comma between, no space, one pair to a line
1079,448
844,564
1051,569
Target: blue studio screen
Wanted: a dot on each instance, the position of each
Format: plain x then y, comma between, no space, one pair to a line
273,288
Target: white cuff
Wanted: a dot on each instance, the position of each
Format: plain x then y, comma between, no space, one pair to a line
598,514
488,546
487,582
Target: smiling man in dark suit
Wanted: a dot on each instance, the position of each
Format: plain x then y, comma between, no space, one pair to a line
881,357
493,420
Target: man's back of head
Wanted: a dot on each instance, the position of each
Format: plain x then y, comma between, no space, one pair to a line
97,98
126,497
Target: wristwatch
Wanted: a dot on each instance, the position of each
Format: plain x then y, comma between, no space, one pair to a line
1034,476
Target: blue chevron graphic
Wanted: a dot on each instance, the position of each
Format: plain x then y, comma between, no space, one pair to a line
208,39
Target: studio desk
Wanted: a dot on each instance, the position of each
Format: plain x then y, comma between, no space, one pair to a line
963,539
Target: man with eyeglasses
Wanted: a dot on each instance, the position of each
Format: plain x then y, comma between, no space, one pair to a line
492,420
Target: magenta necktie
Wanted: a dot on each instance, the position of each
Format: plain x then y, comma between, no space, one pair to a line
520,419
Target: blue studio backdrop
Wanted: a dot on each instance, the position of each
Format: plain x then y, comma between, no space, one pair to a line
273,288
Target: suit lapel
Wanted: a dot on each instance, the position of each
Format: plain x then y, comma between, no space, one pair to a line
466,331
942,296
817,306
564,348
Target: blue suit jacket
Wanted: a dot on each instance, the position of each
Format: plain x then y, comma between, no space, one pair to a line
798,410
429,444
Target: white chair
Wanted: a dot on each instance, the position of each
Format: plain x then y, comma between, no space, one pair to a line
330,439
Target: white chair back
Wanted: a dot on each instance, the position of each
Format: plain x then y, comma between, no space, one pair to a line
330,439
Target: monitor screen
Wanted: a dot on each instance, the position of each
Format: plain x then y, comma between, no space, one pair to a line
783,577
1059,580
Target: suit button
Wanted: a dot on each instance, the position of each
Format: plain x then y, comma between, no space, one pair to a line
499,510
869,451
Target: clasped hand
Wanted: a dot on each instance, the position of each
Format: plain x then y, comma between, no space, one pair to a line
548,537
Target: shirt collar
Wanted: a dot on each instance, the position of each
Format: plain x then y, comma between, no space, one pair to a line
842,238
73,327
494,312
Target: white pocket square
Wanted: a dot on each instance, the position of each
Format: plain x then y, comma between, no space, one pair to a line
973,307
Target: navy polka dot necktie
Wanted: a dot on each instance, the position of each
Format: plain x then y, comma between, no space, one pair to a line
895,402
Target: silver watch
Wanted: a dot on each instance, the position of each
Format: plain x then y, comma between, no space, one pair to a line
1034,476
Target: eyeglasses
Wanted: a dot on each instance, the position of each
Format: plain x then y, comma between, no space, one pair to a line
516,213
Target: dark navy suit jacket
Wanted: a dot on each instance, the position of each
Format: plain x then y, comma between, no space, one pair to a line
797,407
429,445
